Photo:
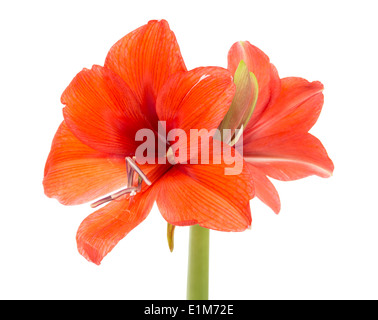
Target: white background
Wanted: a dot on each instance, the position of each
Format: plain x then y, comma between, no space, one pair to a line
323,244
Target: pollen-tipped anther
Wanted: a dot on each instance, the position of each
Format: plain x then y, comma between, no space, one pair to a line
131,168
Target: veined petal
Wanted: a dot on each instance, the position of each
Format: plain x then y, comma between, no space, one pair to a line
203,194
99,233
76,173
289,156
296,109
267,77
103,229
264,189
197,99
102,112
145,59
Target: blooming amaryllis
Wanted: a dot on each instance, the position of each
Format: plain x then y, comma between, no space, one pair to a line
112,112
143,81
279,114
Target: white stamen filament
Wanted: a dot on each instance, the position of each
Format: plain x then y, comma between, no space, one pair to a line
131,167
137,170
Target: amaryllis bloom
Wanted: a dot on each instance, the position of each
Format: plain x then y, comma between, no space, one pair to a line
144,80
276,142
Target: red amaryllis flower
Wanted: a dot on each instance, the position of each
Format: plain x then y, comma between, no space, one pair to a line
276,142
144,80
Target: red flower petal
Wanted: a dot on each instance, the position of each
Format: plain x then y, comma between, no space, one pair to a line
289,156
99,233
266,74
145,59
76,173
197,99
202,194
103,229
296,109
264,189
102,112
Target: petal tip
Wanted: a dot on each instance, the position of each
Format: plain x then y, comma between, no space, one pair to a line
160,21
318,84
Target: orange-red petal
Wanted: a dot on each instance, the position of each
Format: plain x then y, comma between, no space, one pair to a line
145,59
264,189
296,109
76,173
99,233
102,112
197,99
267,77
203,194
289,156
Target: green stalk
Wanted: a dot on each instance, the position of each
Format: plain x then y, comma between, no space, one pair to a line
198,264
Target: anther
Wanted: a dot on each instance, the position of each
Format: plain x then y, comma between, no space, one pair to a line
131,167
171,156
115,196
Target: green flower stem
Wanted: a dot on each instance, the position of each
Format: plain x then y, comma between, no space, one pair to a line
198,264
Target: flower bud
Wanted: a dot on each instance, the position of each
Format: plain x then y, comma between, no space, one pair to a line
242,105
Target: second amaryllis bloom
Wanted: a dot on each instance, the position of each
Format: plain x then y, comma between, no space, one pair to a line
277,115
144,81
